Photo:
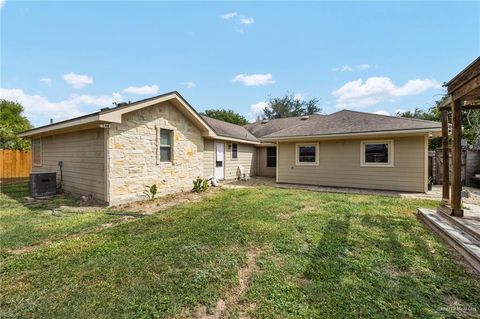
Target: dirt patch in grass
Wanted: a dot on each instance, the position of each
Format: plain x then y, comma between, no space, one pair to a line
148,207
233,300
128,212
28,249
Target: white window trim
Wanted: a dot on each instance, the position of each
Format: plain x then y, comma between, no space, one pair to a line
297,154
390,153
158,129
41,153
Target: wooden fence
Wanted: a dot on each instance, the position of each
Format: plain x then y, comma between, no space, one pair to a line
470,166
15,164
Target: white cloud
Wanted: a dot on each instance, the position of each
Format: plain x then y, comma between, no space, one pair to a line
246,20
381,112
363,66
142,90
256,111
77,81
254,79
349,68
229,15
2,3
47,81
375,89
37,106
299,96
189,84
240,22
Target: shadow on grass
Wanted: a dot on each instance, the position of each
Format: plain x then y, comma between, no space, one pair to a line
328,258
372,265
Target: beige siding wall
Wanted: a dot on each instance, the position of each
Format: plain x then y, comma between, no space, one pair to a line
83,159
133,150
339,165
208,158
263,170
246,158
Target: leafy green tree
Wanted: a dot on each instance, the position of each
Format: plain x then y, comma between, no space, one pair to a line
12,122
472,127
471,122
289,106
430,114
226,115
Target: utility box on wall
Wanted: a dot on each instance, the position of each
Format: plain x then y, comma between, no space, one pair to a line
43,184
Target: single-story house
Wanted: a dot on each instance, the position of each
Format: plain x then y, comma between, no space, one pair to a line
114,153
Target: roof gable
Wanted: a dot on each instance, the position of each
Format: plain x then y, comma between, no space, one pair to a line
114,115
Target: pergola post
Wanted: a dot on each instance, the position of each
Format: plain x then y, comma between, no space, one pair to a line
456,196
446,161
464,94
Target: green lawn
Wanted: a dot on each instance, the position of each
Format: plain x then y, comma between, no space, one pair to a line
299,254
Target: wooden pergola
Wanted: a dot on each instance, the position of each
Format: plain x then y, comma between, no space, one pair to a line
463,94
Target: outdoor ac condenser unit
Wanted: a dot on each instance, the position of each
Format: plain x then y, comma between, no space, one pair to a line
43,184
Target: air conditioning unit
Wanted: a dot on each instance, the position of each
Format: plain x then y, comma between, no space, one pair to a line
43,184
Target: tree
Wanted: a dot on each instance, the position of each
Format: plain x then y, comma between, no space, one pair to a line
226,115
471,122
289,106
472,127
12,122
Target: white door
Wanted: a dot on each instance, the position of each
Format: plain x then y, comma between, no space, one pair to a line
219,160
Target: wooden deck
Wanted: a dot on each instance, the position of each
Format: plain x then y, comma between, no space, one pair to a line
462,233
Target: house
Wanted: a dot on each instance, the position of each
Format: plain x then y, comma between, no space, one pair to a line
114,153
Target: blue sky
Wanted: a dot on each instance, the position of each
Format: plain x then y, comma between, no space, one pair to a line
63,59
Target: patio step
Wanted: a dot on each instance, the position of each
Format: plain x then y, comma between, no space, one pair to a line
456,236
465,224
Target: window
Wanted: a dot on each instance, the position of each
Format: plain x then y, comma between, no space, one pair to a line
307,154
37,151
271,157
377,153
165,145
234,150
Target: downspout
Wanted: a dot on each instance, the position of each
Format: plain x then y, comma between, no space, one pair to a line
106,174
276,168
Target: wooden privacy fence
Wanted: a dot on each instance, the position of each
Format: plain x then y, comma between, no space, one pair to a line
470,166
15,164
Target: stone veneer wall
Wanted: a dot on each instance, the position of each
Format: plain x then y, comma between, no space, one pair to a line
133,154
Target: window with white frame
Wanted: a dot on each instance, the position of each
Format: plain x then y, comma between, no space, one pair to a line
234,150
165,145
307,154
377,153
37,151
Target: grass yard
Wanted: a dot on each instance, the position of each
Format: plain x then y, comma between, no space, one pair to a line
258,253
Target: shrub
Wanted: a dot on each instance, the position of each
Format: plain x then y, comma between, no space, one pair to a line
200,185
151,191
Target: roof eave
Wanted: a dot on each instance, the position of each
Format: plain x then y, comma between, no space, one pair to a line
354,134
63,126
233,139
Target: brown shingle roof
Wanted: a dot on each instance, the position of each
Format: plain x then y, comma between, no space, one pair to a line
226,129
342,122
263,128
